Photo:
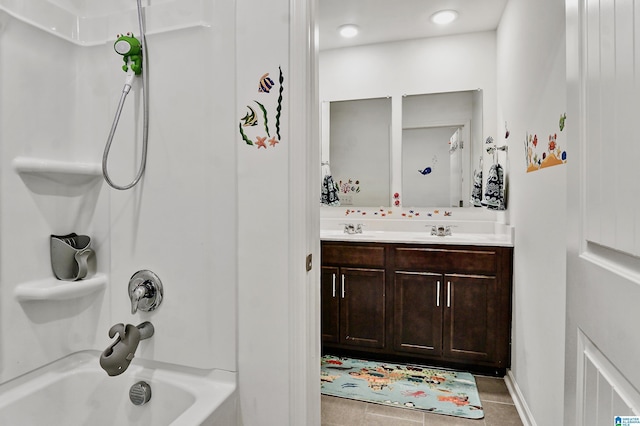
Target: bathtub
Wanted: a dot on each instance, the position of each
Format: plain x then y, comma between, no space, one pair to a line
75,391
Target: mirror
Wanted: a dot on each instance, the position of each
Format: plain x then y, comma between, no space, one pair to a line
437,133
359,142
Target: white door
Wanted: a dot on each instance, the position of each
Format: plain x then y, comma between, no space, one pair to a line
602,375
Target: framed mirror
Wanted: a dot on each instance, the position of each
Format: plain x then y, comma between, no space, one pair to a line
437,134
358,150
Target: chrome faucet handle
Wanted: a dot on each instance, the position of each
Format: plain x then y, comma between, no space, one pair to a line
145,291
348,228
359,227
136,295
441,230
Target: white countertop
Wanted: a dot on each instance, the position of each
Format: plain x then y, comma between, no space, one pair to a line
478,239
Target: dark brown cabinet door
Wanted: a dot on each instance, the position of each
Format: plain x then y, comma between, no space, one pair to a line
418,304
330,304
470,317
362,312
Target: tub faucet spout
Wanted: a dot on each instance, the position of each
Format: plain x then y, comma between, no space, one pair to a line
117,357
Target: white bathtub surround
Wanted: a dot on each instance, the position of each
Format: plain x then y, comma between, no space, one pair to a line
74,391
59,95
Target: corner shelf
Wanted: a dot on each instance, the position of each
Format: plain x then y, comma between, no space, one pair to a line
54,289
61,172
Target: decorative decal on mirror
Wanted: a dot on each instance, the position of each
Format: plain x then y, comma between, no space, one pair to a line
400,214
249,126
349,186
347,189
396,199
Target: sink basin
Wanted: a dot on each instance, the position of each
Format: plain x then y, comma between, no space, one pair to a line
340,233
418,237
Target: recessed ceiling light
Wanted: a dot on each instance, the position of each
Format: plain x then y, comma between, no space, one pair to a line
444,17
348,31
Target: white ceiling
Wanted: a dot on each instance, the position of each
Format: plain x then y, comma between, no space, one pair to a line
392,20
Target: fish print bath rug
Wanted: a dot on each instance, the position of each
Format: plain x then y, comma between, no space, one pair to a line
448,392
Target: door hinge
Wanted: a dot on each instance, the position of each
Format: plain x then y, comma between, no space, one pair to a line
309,262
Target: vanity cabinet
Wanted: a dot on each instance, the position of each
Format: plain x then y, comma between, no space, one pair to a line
449,305
353,289
450,316
453,302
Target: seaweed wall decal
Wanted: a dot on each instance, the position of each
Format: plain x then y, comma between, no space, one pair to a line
250,132
279,107
266,118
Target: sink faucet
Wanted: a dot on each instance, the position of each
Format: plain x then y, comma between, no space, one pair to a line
117,357
350,228
440,230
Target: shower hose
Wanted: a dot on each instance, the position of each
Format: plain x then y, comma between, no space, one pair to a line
145,119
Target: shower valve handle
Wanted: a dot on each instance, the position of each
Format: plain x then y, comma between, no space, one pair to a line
145,291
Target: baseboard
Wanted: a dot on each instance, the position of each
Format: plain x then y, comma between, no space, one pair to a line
518,400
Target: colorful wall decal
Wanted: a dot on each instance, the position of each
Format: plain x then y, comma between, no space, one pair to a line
539,156
563,118
250,118
425,171
251,132
265,83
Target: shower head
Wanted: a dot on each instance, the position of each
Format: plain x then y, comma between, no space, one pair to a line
127,44
131,50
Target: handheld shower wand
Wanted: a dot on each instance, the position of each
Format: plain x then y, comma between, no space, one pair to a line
133,52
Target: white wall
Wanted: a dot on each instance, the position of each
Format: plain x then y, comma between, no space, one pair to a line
36,332
263,176
278,195
181,222
531,97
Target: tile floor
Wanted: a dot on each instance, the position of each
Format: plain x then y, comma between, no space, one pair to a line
496,402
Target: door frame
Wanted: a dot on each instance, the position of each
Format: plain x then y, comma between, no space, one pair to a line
304,225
